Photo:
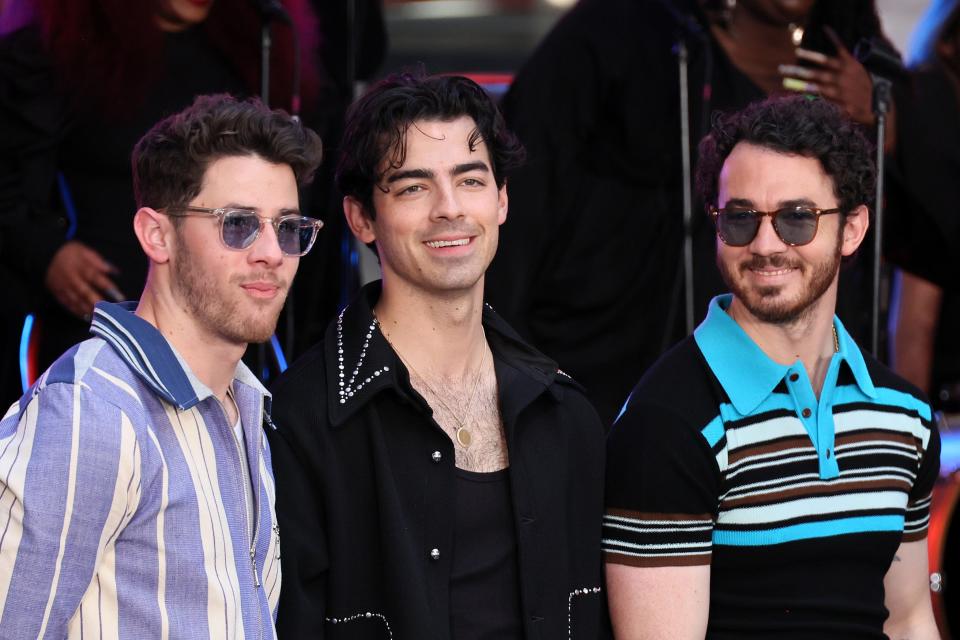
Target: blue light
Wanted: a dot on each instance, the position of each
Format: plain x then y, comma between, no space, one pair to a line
25,351
68,205
278,353
949,452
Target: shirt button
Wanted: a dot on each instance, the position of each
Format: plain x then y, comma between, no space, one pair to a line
828,454
805,413
436,456
794,377
434,554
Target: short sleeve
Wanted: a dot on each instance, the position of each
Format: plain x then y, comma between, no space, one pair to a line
662,490
917,517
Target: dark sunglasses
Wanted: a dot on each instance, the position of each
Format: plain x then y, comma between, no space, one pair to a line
796,226
240,228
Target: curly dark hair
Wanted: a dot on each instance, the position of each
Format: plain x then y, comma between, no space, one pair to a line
797,125
377,125
170,160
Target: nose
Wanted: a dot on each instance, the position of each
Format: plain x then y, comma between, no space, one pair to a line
266,248
767,242
447,205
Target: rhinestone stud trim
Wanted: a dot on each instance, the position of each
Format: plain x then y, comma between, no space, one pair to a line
347,388
368,615
577,593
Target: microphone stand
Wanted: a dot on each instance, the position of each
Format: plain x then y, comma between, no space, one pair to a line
687,27
882,89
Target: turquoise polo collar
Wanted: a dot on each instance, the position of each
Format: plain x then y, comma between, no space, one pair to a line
746,373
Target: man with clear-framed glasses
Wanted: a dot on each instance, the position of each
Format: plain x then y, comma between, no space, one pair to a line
766,478
137,492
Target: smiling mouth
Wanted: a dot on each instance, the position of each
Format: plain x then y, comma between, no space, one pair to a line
439,244
767,273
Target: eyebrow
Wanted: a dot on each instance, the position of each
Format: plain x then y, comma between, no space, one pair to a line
428,174
283,212
409,173
470,166
783,204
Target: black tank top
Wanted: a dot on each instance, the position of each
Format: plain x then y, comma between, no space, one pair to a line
484,583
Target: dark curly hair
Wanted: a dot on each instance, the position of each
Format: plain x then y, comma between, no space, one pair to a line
797,125
170,160
377,125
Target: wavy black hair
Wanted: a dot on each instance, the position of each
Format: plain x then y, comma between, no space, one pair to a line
376,128
169,162
795,125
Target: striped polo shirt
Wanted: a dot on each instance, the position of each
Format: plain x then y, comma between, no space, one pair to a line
123,498
723,457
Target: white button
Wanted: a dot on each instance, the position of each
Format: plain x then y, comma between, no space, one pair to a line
436,456
435,554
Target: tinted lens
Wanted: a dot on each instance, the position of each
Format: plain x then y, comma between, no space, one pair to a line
737,228
239,229
795,226
296,235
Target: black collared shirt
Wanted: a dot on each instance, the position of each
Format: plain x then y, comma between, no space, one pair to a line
366,486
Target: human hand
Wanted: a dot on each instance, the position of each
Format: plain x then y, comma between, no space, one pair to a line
840,79
78,278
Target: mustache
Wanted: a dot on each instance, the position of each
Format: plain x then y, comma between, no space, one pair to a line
265,276
769,262
452,227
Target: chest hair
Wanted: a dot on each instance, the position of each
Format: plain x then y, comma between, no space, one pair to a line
481,417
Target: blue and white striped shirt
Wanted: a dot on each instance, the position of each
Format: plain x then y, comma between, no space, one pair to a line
122,500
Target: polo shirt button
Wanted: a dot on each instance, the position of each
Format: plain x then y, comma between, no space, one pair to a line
828,454
434,554
436,456
805,413
794,377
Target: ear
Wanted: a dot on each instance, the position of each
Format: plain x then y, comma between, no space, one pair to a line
854,230
359,222
155,233
502,204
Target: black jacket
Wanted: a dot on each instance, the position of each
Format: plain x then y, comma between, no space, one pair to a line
365,491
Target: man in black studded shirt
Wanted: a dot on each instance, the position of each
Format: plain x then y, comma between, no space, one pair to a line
436,476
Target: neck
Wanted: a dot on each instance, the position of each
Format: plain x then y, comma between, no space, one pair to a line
439,334
210,358
809,339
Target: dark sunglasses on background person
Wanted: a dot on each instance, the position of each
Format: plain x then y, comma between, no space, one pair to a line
240,228
796,226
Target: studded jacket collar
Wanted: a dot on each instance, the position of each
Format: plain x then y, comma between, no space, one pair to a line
360,362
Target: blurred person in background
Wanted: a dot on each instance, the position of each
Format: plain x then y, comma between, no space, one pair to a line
926,344
80,82
589,267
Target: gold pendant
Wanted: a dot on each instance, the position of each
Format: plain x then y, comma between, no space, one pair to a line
464,438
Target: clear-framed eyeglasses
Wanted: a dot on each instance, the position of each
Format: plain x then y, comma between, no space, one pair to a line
240,228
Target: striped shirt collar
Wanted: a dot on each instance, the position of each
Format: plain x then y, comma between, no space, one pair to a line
152,358
746,373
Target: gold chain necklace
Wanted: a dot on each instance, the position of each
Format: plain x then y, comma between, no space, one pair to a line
836,339
463,436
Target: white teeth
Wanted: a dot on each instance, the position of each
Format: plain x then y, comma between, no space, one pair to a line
437,244
779,272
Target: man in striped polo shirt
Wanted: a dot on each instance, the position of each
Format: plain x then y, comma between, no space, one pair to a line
766,478
136,497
